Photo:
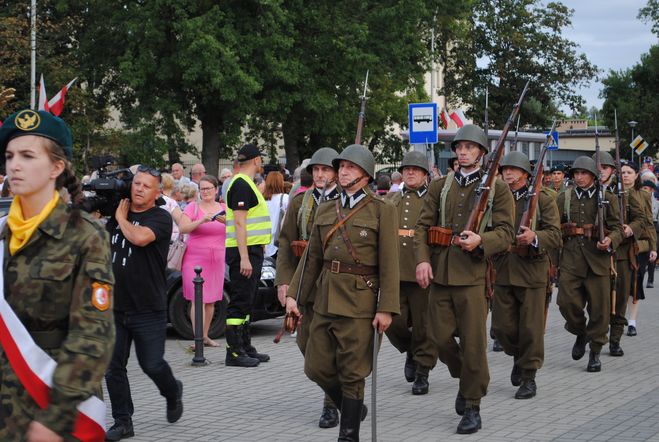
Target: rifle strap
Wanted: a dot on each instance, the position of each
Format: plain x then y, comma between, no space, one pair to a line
304,214
487,217
442,197
342,220
567,203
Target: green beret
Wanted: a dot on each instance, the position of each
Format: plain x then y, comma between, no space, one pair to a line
39,123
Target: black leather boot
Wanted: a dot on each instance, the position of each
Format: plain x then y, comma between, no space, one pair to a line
496,345
615,350
329,418
351,411
410,368
516,376
236,356
120,430
594,364
249,348
460,404
471,421
579,347
420,385
527,390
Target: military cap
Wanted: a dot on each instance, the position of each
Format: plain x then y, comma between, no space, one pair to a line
518,160
585,163
323,157
38,123
416,159
630,164
557,168
359,155
605,159
473,133
650,184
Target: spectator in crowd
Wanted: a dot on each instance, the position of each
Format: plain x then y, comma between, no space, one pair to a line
453,165
139,241
179,174
277,202
205,222
288,186
225,174
198,170
396,180
188,194
226,182
260,182
306,181
383,184
171,205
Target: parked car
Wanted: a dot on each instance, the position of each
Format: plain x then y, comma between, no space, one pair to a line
266,304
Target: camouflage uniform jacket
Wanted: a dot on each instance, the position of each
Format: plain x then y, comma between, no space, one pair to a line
48,284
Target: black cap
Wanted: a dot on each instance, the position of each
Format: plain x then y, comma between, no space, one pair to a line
39,123
247,152
631,164
558,168
648,183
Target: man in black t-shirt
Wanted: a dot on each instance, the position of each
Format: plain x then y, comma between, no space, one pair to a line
140,233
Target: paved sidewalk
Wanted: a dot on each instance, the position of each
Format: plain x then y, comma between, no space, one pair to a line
276,402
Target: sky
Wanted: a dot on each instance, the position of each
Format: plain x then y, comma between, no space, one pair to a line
610,35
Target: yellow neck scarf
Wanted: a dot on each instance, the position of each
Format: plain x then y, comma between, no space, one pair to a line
23,229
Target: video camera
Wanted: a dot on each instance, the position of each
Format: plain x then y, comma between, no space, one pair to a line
109,188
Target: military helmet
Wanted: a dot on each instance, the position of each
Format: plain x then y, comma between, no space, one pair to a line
518,160
585,163
323,157
416,159
359,155
605,159
471,132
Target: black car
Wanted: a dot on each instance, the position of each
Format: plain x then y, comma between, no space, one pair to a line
266,304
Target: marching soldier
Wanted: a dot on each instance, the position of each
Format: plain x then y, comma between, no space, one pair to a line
451,261
293,239
557,183
607,171
350,267
586,262
522,278
421,355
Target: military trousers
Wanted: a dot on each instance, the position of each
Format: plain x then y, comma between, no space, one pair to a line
461,311
591,293
303,337
339,353
518,316
408,330
624,285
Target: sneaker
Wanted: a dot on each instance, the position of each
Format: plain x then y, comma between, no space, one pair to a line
631,331
120,430
175,406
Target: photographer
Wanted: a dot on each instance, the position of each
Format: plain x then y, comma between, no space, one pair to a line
140,233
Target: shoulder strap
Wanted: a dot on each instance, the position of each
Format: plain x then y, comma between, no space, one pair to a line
487,217
443,195
567,203
342,220
304,214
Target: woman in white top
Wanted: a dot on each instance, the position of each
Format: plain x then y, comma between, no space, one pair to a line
277,201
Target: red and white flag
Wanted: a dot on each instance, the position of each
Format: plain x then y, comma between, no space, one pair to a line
444,116
459,118
56,104
43,100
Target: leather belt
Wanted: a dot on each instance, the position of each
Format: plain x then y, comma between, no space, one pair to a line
520,250
354,269
408,233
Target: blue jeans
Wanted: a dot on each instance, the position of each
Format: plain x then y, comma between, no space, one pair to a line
148,330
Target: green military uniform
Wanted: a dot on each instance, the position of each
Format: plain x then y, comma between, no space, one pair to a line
520,287
626,262
297,225
413,298
585,270
457,303
48,283
339,353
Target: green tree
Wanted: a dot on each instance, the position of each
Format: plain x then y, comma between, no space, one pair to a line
506,43
650,13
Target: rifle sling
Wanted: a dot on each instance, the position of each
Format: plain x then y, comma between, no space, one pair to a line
342,220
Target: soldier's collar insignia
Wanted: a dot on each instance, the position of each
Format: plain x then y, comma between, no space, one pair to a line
466,180
351,201
101,296
27,120
585,193
520,193
420,191
331,195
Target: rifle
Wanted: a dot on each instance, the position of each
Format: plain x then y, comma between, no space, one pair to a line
535,184
622,195
484,188
600,188
362,113
487,119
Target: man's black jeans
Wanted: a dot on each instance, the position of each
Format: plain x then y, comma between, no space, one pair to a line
148,330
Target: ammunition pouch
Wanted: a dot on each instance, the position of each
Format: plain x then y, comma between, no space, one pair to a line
439,236
587,230
298,247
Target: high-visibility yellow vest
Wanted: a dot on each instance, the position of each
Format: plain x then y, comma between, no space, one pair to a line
259,226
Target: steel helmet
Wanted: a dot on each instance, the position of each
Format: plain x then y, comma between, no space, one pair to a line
605,159
323,157
518,160
416,159
359,155
585,163
471,132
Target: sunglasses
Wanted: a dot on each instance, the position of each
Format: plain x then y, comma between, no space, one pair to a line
150,170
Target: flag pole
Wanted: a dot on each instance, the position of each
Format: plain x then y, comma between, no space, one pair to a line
33,44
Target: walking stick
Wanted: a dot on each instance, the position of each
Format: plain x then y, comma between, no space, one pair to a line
374,384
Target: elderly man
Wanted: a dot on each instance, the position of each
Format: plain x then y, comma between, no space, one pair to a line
198,170
179,174
396,182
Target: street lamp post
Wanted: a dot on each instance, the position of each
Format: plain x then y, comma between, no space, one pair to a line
632,124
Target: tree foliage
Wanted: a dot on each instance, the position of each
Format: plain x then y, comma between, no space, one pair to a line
508,42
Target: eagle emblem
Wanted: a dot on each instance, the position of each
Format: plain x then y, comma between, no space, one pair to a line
27,120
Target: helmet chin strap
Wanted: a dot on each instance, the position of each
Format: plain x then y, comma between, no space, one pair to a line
353,182
475,163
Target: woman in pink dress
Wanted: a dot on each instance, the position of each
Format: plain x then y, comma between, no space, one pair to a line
204,221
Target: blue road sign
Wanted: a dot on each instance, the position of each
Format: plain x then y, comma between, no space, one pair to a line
553,144
423,123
